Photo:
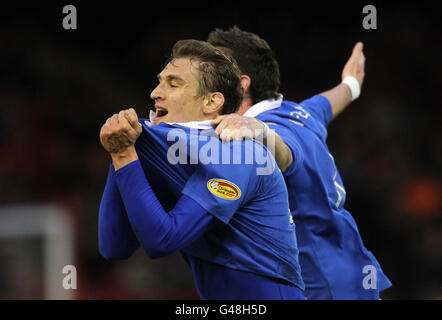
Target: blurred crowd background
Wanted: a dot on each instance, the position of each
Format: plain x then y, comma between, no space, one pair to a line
57,87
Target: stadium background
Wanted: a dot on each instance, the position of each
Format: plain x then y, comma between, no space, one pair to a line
58,86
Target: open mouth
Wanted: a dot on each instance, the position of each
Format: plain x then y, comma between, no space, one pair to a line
160,112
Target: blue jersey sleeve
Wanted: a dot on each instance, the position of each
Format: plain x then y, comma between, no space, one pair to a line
116,239
160,232
223,188
320,107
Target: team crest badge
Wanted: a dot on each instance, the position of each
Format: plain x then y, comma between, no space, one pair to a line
224,189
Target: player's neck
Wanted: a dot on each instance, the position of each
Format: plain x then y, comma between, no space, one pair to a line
245,105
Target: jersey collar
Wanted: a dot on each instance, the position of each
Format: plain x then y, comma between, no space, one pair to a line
263,106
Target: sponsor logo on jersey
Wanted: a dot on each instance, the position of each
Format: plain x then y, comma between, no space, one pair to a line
224,189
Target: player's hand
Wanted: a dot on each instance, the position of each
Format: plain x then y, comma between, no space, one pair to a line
235,127
355,65
120,131
132,117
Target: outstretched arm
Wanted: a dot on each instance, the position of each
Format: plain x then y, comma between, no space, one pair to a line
340,96
236,127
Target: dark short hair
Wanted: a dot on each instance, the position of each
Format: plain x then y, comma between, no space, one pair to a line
255,58
218,71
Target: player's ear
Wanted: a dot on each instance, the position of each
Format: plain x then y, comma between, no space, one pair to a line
245,83
213,103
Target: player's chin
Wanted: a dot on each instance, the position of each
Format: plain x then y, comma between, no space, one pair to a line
157,120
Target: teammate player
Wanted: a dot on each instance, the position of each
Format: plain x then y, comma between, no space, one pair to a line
232,225
334,262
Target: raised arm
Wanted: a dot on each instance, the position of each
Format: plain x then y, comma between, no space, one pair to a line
340,96
235,127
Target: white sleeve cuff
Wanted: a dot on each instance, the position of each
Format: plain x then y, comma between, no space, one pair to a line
354,86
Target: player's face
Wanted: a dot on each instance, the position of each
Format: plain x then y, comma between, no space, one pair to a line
176,98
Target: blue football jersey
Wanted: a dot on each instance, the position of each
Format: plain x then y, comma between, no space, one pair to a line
238,183
334,261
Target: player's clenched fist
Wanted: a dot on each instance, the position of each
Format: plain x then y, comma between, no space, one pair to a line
120,131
